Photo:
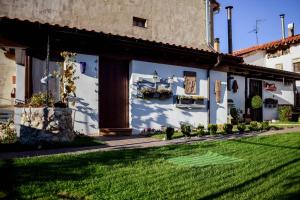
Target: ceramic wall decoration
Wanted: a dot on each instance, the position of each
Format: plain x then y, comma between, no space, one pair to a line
218,91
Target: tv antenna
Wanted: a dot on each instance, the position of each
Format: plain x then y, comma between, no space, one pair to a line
256,28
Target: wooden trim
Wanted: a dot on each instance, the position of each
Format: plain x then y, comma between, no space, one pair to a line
115,131
28,77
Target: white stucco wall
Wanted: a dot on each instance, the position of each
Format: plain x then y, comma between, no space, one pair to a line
256,58
218,111
39,71
284,94
156,113
20,83
238,97
86,112
286,60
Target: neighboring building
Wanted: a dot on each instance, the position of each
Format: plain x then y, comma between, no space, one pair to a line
180,83
283,54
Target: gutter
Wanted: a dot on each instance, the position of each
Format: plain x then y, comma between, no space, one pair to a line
219,60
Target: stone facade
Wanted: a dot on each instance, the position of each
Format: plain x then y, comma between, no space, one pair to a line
46,125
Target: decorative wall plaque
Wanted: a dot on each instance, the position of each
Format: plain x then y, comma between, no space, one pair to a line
190,84
218,91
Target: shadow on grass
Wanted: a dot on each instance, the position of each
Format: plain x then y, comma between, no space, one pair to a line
66,168
7,182
265,144
254,179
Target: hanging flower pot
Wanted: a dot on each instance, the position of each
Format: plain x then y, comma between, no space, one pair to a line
82,67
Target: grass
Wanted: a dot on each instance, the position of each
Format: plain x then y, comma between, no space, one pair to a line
286,122
79,141
265,168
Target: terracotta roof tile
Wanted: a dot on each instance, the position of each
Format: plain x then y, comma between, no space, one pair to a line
270,45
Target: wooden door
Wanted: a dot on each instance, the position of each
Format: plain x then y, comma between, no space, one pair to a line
255,88
113,93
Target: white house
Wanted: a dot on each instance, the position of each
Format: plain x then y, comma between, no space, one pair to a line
131,83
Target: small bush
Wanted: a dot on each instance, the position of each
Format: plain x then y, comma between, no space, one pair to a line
254,126
200,130
265,126
212,128
227,128
169,133
284,113
241,127
256,102
186,129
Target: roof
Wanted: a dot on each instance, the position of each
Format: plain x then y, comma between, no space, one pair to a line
129,38
270,45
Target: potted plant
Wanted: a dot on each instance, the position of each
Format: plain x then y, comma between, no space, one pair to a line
200,130
241,127
212,128
198,100
228,128
169,133
164,93
185,99
148,92
186,129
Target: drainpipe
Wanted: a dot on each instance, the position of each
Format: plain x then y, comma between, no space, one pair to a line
219,59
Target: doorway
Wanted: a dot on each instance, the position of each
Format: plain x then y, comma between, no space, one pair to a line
255,88
113,94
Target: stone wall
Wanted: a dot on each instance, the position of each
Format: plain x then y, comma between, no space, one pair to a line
45,125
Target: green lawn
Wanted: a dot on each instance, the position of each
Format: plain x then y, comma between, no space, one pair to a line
248,168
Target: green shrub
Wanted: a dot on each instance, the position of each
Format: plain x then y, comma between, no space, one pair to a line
241,127
228,128
212,128
265,126
169,133
284,113
200,130
254,126
186,129
256,102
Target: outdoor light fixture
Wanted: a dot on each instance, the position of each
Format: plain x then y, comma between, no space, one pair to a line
155,76
46,78
171,79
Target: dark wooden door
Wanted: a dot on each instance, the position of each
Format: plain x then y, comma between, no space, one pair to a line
113,93
255,88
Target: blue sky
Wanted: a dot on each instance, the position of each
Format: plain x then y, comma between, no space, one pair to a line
245,13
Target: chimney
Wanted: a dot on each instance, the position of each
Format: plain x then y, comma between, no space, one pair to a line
217,44
282,26
229,26
291,29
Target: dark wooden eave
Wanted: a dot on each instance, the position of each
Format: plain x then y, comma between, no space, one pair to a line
34,35
253,71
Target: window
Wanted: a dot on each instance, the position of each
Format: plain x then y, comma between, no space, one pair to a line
296,66
279,66
140,22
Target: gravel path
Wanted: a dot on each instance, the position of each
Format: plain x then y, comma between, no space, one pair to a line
134,142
